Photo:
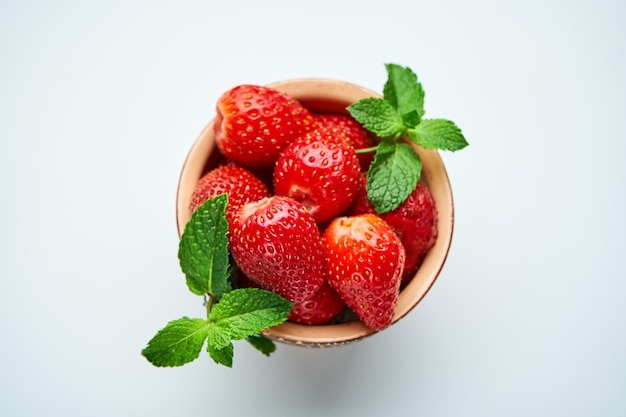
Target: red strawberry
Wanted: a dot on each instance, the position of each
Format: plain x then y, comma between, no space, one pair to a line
320,172
325,305
240,184
354,133
364,261
254,124
276,243
414,221
266,175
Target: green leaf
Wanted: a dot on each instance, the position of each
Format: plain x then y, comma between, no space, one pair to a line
403,90
263,344
411,119
393,175
377,116
178,343
203,249
218,337
438,134
223,356
245,312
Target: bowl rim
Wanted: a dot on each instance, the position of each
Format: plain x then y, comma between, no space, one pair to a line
320,94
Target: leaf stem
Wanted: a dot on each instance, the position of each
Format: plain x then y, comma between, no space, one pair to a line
366,150
210,302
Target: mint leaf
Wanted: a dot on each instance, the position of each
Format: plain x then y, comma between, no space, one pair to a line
178,343
203,249
393,175
223,356
438,134
403,90
411,119
245,312
377,116
218,338
263,344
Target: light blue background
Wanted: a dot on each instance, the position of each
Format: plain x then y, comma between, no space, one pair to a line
100,102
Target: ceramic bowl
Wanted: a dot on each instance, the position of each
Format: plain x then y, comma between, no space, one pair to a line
334,96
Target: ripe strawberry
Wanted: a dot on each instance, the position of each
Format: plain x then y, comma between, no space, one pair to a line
354,133
320,172
414,221
240,184
364,261
254,124
276,243
325,305
265,174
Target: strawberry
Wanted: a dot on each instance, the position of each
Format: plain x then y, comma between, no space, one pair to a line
240,184
414,221
320,172
265,174
364,262
254,124
356,135
276,243
325,305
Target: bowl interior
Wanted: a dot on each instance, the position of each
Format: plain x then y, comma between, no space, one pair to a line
334,96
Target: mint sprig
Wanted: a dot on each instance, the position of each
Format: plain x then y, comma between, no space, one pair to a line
179,342
395,168
393,174
378,116
403,91
248,311
231,314
437,134
203,249
262,344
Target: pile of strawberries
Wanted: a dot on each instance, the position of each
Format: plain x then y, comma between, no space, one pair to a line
300,222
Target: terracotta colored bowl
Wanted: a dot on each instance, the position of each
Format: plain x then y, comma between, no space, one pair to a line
335,96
